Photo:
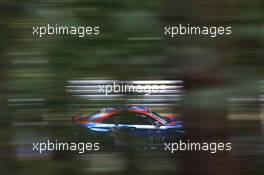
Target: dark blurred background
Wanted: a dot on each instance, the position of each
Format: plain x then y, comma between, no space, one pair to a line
222,81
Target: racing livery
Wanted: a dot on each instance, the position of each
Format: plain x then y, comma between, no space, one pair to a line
130,122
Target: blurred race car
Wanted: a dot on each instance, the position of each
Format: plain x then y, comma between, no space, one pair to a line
131,124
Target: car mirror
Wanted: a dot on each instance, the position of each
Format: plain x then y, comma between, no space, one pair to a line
157,124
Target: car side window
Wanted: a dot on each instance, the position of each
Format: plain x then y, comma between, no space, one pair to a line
114,119
143,119
129,118
109,120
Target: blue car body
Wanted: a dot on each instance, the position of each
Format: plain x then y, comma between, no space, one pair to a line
134,121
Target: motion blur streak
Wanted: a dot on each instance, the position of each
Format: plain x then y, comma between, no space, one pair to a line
87,93
219,98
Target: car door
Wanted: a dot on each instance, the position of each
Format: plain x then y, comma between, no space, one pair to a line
143,127
148,127
136,127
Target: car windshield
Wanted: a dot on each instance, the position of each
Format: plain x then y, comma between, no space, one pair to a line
160,117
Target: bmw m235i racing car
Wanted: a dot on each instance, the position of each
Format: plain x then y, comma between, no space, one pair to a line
131,125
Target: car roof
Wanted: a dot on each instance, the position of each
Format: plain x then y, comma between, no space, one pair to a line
139,108
123,108
111,109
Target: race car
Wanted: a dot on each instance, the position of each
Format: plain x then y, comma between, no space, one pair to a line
131,123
